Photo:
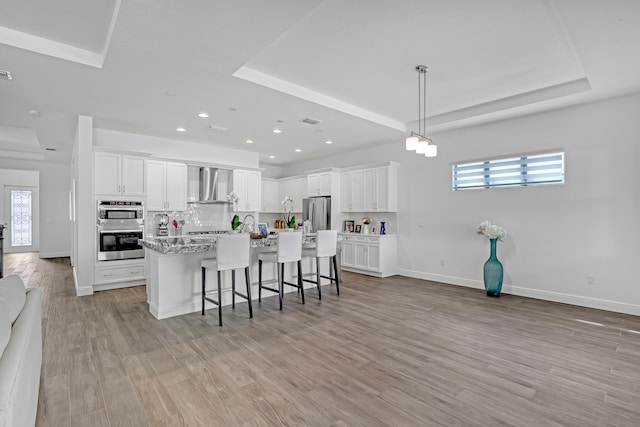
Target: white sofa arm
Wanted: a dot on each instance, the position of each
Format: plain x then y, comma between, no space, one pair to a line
20,366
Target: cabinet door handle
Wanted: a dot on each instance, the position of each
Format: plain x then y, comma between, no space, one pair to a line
123,190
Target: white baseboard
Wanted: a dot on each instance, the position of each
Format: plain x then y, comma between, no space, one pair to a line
81,291
61,254
601,304
118,285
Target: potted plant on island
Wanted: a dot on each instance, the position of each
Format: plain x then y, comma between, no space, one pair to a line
289,220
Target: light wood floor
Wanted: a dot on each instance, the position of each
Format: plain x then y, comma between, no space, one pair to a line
395,351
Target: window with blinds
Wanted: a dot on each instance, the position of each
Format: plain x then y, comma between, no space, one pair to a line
524,170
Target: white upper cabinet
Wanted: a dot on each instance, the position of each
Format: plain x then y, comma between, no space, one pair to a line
319,184
352,191
270,201
248,187
119,174
371,189
296,188
167,186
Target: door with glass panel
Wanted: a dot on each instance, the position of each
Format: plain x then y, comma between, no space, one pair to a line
21,219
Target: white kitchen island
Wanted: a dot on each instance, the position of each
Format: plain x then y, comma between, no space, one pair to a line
173,272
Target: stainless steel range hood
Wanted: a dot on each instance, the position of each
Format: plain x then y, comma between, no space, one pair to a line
208,184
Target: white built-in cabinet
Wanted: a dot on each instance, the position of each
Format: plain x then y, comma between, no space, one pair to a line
373,189
248,187
369,254
319,184
351,191
270,202
166,186
118,174
296,188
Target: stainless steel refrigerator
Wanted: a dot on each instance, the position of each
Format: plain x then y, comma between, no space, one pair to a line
318,211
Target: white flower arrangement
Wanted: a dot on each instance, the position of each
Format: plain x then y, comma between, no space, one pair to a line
287,200
232,197
366,220
492,231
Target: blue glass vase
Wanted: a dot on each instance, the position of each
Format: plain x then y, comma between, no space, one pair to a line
382,228
493,272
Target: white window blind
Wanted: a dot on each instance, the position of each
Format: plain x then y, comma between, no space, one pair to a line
523,170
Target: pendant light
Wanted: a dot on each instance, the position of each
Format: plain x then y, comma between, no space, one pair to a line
417,141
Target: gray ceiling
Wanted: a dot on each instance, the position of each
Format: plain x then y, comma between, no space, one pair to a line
151,66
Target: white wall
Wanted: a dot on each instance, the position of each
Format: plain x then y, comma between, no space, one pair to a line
174,149
84,225
558,235
53,186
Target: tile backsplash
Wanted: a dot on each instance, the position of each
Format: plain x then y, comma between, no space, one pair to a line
197,217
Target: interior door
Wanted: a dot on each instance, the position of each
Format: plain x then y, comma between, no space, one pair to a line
21,213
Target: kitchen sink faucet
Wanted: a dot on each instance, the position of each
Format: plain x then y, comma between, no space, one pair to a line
244,224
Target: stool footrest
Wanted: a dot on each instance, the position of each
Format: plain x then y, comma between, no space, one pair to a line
241,295
211,300
333,279
270,289
295,285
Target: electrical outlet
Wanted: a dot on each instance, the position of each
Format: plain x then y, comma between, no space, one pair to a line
442,263
591,280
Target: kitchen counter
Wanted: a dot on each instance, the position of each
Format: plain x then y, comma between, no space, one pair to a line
186,244
173,272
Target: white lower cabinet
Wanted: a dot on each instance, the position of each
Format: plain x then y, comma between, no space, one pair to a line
119,276
369,254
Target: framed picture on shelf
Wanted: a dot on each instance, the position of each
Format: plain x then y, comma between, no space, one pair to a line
358,228
348,226
263,228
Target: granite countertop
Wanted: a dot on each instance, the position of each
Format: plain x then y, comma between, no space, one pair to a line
191,244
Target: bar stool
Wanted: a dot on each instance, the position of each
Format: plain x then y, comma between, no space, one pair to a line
289,250
326,247
232,253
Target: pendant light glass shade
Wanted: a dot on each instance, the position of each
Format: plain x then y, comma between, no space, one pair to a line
412,143
422,147
431,151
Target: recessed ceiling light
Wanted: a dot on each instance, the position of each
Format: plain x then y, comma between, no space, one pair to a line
5,75
181,129
203,115
272,157
280,121
328,142
169,93
51,149
277,131
34,113
232,109
249,141
298,150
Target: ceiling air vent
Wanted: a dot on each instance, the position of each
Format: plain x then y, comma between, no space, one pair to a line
311,121
218,128
5,75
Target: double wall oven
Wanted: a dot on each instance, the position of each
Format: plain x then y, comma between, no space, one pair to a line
120,225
